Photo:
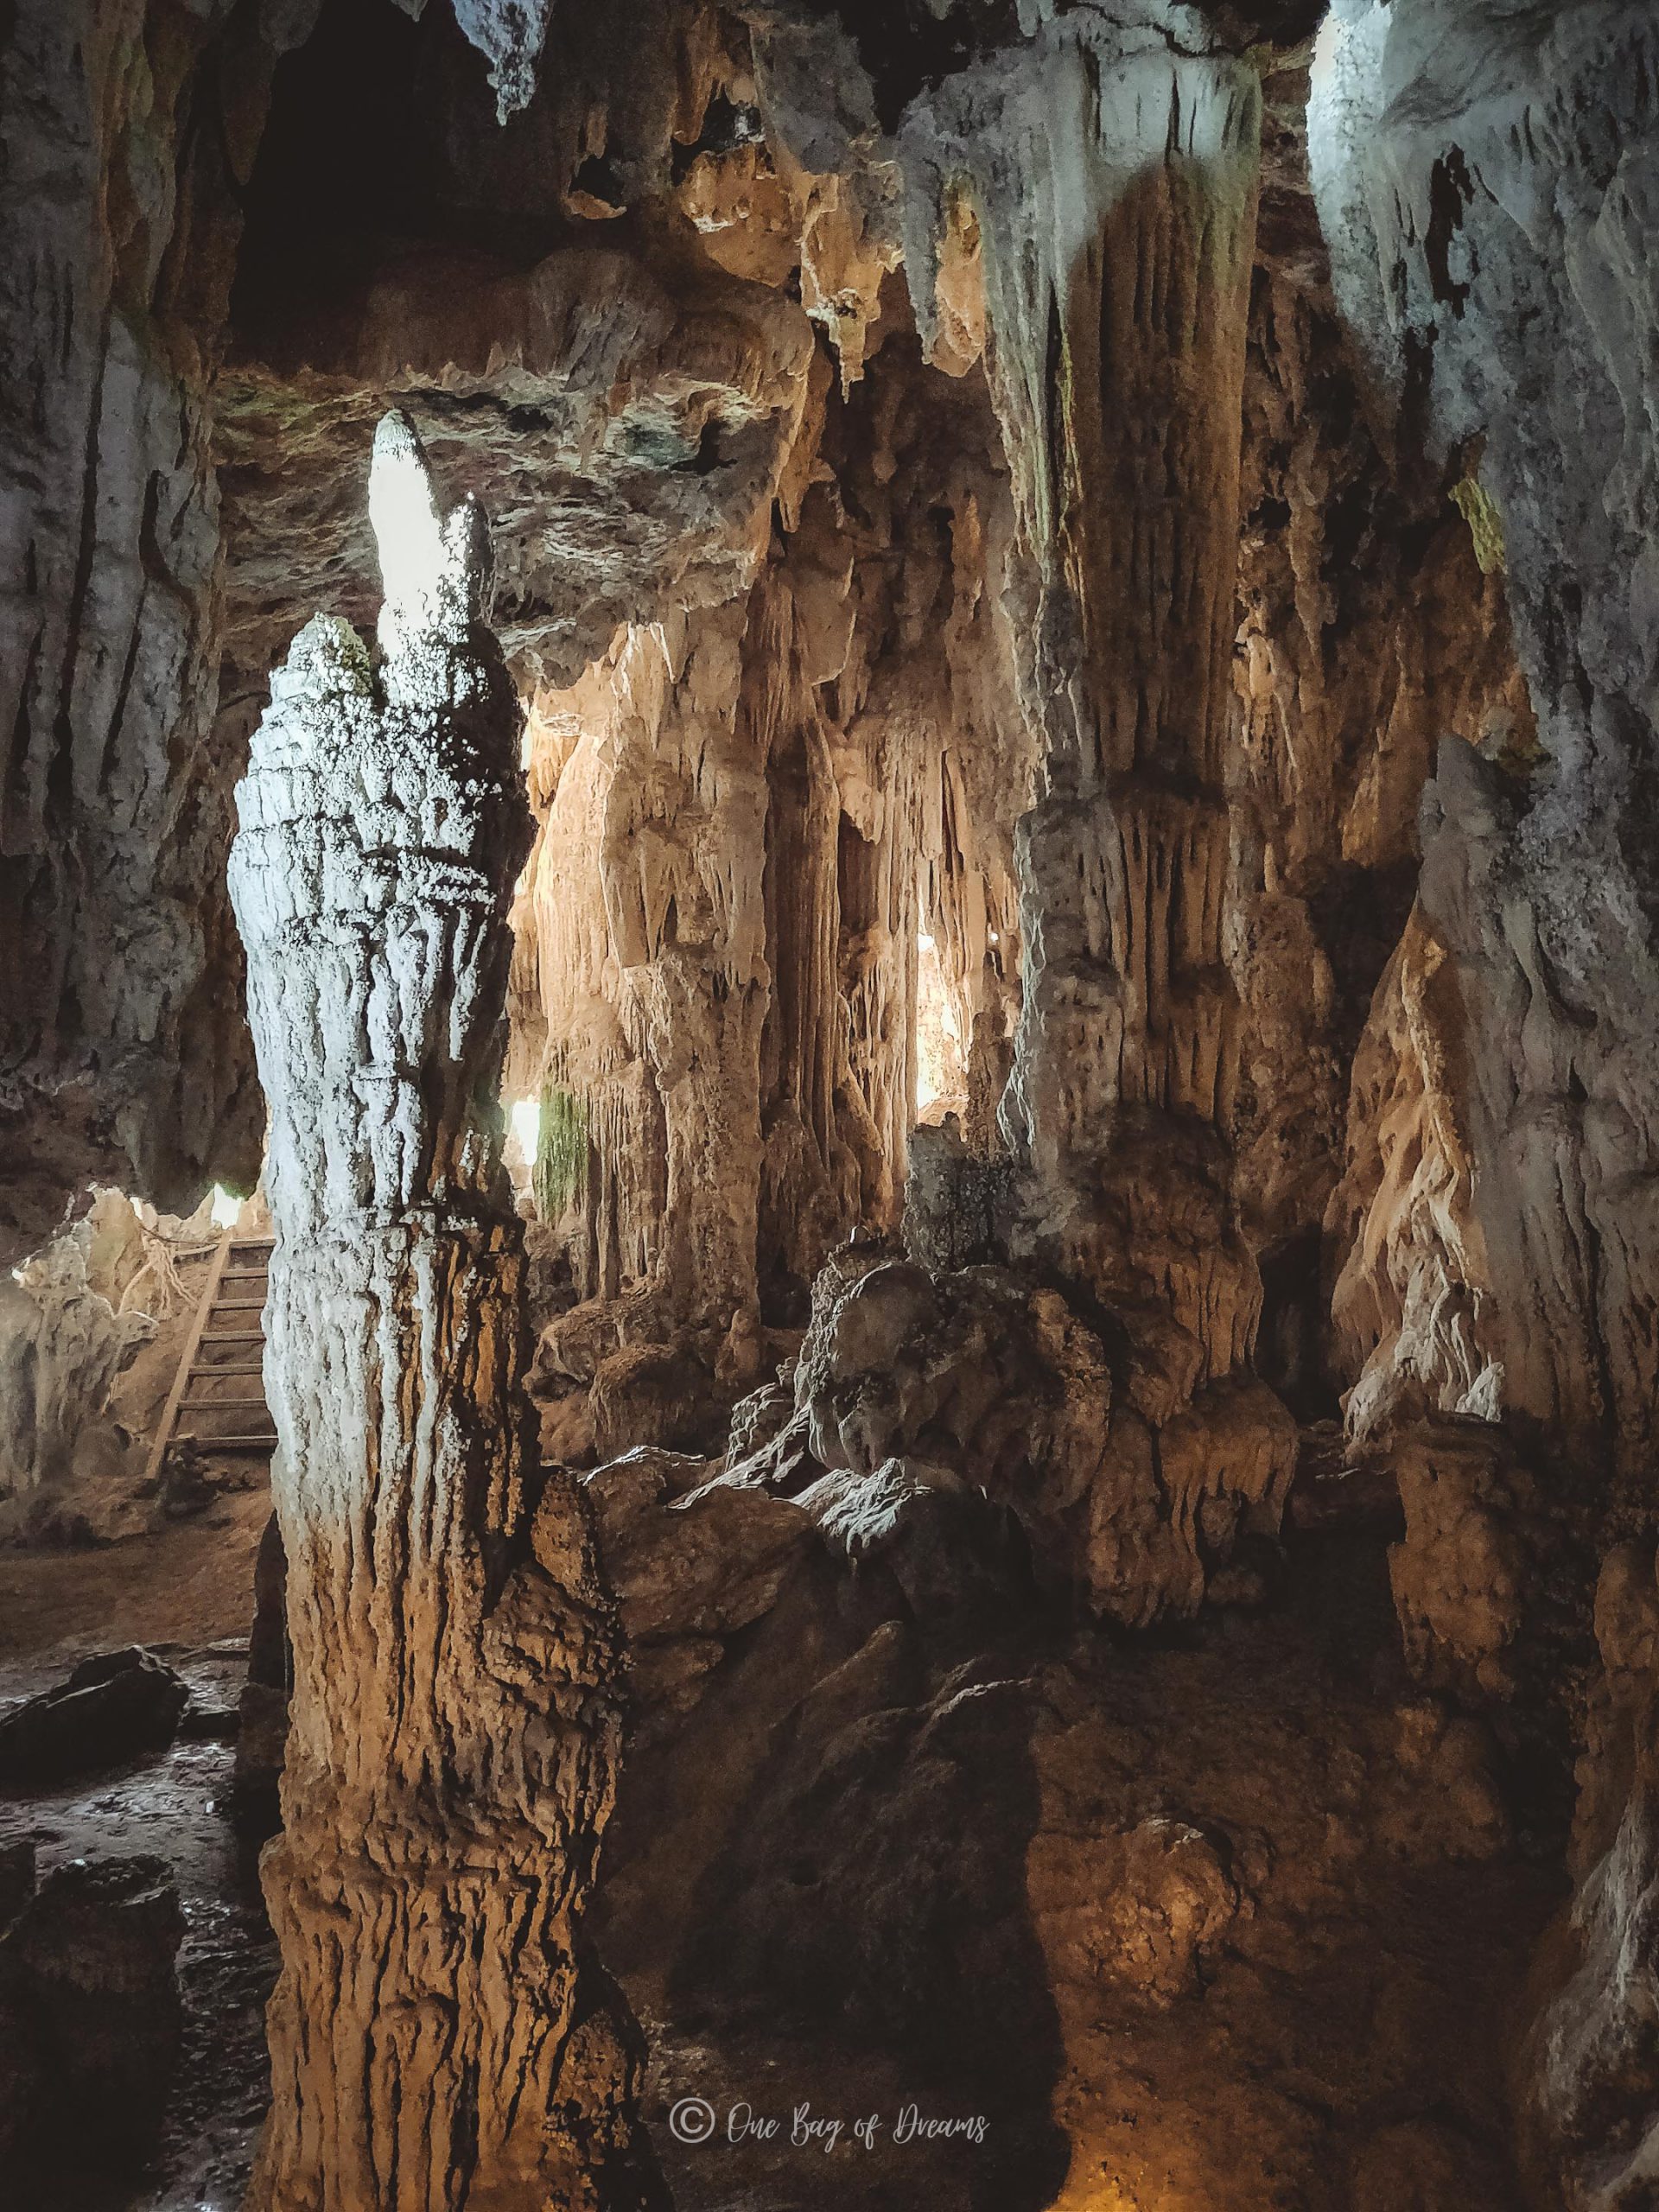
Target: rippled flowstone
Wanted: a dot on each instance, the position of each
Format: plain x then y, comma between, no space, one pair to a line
453,1727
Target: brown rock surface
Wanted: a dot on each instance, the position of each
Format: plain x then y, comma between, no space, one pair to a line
1074,593
451,1738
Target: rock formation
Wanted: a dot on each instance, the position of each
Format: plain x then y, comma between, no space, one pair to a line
1070,1011
90,2016
1530,927
1488,189
1120,1172
63,1341
452,1741
121,201
115,1706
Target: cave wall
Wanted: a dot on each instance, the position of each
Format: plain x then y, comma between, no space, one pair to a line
872,753
1370,626
1489,184
600,288
1503,191
853,802
130,132
1099,566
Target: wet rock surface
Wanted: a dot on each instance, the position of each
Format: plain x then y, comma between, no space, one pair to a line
88,1969
110,1710
174,1975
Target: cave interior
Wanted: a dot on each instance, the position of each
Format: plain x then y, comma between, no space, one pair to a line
830,1106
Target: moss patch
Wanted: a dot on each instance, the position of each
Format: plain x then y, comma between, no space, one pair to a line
1475,504
561,1174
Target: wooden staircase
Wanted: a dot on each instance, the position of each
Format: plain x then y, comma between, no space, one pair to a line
238,1420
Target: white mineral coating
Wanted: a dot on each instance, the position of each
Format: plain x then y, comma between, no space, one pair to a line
510,34
1503,170
452,1735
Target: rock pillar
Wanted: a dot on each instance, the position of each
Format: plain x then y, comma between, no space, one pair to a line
451,1760
1110,171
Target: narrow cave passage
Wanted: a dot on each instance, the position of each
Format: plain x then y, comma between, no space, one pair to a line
826,1371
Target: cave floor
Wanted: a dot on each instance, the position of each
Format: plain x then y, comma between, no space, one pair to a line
189,1584
186,1591
1360,1969
1345,2044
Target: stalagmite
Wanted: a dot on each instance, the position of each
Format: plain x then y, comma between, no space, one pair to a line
434,2041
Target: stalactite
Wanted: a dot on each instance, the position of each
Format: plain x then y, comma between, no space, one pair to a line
1133,286
642,775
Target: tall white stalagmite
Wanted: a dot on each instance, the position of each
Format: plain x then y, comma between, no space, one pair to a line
451,1760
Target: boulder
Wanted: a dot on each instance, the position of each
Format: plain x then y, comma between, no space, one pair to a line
1130,1494
624,1488
1133,1907
118,1705
704,1565
89,1993
757,1419
653,1394
946,1546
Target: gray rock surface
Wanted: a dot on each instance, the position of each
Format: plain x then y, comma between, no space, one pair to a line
119,1706
90,2006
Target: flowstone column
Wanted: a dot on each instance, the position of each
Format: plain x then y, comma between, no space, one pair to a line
1112,173
454,1733
1107,175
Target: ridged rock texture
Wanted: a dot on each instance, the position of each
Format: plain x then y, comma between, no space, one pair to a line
452,1733
66,1333
1489,183
1113,180
123,1052
1534,916
1075,600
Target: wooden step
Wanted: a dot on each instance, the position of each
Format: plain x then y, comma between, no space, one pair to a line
200,1374
234,1336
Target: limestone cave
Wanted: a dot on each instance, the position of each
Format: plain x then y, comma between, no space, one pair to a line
830,1106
